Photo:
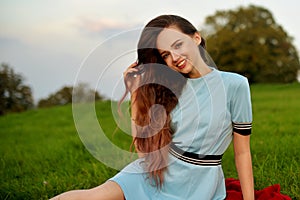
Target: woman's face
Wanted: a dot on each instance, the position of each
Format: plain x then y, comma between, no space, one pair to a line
180,51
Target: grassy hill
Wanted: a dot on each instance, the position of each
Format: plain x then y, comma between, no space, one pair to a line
42,154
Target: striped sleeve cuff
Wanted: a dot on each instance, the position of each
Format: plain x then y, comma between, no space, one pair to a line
242,128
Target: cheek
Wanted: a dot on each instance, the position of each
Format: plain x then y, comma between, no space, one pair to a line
168,61
192,52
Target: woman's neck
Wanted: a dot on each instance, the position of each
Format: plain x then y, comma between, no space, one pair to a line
197,72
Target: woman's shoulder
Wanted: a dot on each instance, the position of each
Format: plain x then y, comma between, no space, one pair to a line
236,87
233,78
234,82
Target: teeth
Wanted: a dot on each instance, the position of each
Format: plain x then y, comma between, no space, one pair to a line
180,64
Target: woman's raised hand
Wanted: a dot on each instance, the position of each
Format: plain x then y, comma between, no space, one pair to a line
131,69
132,77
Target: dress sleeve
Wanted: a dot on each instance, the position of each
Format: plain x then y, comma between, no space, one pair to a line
241,108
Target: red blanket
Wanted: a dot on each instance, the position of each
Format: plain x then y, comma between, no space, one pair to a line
234,192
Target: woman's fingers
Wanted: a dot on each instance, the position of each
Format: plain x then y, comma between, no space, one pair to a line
132,81
130,69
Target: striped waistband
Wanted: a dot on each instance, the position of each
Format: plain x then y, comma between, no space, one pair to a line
193,158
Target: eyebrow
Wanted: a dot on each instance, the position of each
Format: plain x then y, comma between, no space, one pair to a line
175,42
171,46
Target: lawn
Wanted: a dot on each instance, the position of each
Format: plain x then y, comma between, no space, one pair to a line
42,153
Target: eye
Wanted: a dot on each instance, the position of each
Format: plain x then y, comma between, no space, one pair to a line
178,45
165,55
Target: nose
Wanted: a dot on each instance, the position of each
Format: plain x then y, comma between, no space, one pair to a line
175,56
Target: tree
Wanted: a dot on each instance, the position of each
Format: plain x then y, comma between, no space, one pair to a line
82,93
69,94
14,95
250,42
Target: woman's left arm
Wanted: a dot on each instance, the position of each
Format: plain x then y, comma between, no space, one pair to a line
243,162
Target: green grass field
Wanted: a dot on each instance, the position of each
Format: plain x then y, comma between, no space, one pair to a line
42,154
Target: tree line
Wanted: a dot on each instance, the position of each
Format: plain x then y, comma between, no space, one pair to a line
15,96
246,40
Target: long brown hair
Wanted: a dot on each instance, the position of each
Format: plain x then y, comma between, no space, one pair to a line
161,86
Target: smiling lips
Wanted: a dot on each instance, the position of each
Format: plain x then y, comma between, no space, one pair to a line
181,64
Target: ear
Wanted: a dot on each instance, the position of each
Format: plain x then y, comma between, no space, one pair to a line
197,38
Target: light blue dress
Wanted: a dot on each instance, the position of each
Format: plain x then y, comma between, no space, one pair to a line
210,108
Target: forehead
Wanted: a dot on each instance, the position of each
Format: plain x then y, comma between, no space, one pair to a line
168,36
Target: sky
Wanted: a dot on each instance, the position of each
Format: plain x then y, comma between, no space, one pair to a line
65,42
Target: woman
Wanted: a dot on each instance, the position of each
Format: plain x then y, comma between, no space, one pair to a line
184,116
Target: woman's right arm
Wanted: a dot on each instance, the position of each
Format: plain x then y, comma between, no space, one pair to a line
106,191
74,194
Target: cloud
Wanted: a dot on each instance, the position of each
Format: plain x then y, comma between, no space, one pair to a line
104,26
43,69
